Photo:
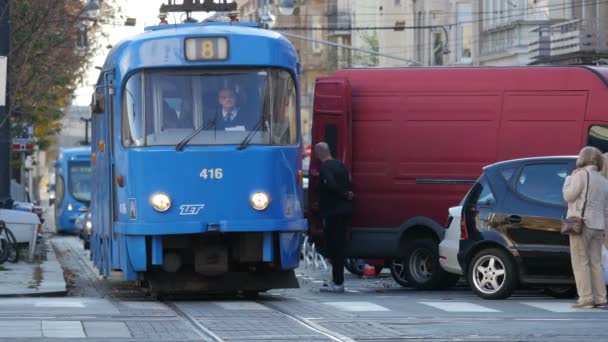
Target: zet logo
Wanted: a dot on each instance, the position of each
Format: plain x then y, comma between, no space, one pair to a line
190,209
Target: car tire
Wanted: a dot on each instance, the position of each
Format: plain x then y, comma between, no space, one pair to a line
561,292
354,266
492,274
422,269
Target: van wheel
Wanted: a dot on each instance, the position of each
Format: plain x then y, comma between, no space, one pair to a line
563,292
421,266
355,266
398,272
491,274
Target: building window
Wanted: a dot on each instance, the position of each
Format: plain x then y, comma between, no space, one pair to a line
317,35
397,2
464,38
437,48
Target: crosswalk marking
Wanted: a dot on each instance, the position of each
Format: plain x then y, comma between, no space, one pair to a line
459,307
357,306
241,306
59,304
561,307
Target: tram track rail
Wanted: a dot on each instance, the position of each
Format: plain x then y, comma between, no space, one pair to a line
332,335
209,335
200,329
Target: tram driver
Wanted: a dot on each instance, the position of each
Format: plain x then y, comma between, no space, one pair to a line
232,117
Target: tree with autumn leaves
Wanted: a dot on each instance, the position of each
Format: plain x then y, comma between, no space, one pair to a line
45,63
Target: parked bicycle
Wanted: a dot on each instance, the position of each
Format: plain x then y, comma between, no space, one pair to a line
9,249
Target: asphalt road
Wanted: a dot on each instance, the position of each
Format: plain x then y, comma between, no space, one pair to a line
372,309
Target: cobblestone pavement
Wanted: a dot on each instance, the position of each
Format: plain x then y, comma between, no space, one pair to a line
372,309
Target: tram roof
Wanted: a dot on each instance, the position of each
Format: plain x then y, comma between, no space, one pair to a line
163,46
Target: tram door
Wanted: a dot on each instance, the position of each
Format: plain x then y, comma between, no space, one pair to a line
102,149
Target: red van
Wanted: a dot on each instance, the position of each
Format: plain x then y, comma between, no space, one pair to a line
415,139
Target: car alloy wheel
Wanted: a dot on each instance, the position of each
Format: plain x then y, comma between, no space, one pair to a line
489,274
492,273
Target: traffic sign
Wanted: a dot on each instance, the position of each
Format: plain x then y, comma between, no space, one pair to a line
22,146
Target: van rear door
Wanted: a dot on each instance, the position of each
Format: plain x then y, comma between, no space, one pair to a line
332,123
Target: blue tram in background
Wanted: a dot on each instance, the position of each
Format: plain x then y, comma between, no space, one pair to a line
72,186
197,157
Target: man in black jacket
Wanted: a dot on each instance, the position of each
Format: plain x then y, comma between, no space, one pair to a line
230,116
335,209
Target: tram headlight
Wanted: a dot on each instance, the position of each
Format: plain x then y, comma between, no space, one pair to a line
160,201
70,207
259,200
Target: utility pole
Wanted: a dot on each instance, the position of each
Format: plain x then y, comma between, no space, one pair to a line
5,133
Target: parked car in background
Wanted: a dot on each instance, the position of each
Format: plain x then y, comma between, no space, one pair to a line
85,232
448,248
21,223
511,229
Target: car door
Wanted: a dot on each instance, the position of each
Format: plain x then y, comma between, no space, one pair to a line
531,218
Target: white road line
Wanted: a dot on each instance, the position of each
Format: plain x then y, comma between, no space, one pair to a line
357,306
459,307
560,307
59,304
244,306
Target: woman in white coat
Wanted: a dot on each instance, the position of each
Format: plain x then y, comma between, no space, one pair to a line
587,185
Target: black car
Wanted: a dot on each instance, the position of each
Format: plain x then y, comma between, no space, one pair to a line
510,231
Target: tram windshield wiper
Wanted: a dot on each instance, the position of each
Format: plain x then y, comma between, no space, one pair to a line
243,145
181,144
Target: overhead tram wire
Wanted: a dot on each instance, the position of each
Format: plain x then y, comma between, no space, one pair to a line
540,10
453,13
350,47
424,45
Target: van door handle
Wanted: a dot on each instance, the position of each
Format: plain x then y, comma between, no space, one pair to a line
514,219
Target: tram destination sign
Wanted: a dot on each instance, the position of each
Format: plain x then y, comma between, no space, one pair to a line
206,49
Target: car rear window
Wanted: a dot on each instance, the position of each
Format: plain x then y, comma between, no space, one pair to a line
481,193
543,182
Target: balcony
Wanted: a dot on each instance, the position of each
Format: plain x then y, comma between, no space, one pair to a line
572,37
539,49
340,23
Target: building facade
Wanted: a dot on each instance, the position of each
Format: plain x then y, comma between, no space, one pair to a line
295,23
522,32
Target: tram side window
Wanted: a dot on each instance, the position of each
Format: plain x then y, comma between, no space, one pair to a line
284,125
598,137
132,118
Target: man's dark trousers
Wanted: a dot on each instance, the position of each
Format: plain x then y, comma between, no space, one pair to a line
335,228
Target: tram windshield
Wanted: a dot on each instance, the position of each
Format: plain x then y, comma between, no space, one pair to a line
162,108
80,180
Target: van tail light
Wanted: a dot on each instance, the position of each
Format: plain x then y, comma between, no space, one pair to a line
464,234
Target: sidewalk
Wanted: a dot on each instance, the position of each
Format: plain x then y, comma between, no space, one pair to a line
43,277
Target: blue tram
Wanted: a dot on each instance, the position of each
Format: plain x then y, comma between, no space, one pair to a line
72,186
197,156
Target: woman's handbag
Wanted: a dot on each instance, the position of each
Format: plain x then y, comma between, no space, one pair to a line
574,225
